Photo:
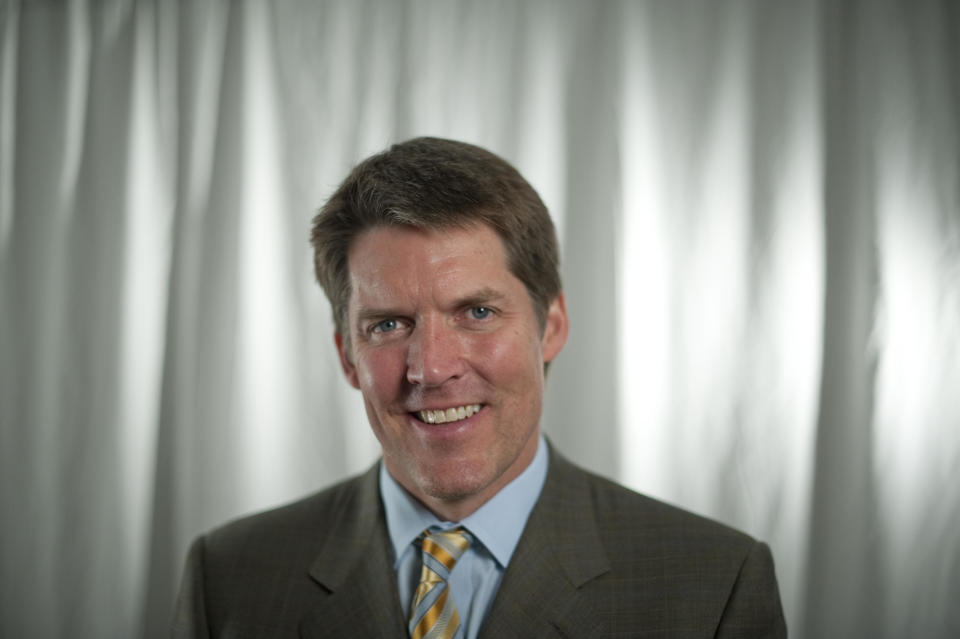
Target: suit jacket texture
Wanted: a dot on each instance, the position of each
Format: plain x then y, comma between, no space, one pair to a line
595,560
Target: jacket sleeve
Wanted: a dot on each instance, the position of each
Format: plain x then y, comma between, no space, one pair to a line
190,615
754,608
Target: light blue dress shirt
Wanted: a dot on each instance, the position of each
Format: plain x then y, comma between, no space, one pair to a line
495,529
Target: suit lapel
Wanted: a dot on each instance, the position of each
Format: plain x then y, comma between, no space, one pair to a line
560,551
355,567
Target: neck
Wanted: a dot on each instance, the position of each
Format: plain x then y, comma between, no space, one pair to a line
458,507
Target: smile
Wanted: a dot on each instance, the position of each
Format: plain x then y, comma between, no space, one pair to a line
446,415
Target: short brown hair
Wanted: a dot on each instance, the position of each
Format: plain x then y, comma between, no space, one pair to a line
432,183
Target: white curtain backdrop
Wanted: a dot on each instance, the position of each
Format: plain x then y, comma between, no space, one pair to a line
759,206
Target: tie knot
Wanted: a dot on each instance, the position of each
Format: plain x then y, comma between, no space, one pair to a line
445,546
433,614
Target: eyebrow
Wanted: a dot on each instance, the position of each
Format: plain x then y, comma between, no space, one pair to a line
485,295
367,315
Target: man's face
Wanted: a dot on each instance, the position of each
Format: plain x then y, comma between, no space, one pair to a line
447,351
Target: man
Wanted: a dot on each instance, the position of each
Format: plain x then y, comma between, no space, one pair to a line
440,263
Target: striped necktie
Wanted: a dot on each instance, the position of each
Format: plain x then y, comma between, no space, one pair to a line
433,614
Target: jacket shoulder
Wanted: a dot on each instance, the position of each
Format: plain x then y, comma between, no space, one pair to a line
286,540
619,507
308,517
252,576
663,567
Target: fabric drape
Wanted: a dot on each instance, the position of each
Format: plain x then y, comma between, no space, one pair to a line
759,212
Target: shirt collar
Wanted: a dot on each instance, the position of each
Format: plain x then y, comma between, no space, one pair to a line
497,524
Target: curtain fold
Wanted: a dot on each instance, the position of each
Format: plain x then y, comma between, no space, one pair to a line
759,211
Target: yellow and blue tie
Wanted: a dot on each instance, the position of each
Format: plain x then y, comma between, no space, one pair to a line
433,614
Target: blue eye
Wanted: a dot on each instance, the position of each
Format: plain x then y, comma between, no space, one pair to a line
480,312
385,326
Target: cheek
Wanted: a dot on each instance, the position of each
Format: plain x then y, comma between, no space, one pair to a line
510,359
380,373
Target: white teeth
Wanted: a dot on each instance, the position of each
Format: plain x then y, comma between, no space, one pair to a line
449,415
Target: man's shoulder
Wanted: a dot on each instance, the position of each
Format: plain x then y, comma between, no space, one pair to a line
618,509
261,572
642,563
306,521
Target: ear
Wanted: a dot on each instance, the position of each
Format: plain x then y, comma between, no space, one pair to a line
349,370
555,329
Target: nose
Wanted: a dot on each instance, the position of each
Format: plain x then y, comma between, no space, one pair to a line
435,354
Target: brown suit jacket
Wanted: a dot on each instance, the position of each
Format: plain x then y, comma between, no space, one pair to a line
595,560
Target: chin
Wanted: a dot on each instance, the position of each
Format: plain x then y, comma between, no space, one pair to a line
454,484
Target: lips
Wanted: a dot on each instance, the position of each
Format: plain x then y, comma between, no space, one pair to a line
447,415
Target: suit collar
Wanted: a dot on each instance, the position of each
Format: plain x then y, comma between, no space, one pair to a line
563,515
560,551
355,567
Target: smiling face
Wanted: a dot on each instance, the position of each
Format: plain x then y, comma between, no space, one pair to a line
448,354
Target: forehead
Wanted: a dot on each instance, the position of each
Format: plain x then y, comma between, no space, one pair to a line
388,259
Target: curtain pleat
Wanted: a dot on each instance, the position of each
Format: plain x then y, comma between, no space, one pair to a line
759,211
